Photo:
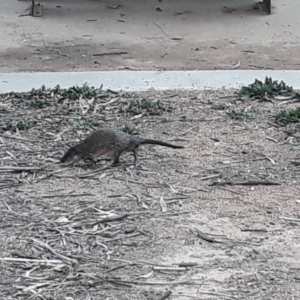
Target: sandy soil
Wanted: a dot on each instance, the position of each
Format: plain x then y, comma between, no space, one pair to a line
151,35
84,232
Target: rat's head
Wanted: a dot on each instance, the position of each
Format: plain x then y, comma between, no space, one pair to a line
72,155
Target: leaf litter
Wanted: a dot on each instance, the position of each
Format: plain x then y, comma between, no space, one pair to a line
218,219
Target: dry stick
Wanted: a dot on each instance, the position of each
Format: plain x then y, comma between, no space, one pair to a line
169,269
14,169
165,295
161,30
62,257
109,219
42,261
289,219
205,237
14,137
215,294
157,282
110,102
187,264
119,267
254,229
228,190
67,195
255,182
117,218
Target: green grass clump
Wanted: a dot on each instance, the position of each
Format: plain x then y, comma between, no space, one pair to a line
37,104
238,115
130,130
4,110
73,93
85,123
150,106
18,125
288,116
269,87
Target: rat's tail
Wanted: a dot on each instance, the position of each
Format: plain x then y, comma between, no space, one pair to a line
155,142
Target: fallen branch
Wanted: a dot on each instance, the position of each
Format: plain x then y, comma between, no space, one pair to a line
290,219
41,261
156,282
255,182
207,238
18,169
60,256
13,137
110,53
169,268
109,219
254,229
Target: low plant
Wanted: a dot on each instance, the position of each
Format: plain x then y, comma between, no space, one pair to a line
130,130
288,116
37,104
19,125
153,107
238,115
85,123
75,92
269,87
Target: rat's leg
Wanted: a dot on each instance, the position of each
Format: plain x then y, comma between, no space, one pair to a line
92,158
116,161
135,157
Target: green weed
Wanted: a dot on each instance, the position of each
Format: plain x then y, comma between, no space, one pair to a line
239,115
288,116
85,123
150,106
269,87
130,130
19,125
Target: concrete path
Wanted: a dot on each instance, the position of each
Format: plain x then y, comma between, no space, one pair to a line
143,80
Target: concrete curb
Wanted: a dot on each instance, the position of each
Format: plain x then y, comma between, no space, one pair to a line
144,80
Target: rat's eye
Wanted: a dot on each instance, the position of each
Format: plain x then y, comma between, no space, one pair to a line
73,151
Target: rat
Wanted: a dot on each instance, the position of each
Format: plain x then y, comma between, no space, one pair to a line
111,143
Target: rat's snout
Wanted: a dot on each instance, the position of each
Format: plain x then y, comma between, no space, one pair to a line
71,155
64,158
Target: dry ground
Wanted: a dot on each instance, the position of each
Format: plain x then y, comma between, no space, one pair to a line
82,232
81,35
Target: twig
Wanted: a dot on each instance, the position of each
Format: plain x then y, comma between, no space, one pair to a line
62,257
207,238
165,295
254,229
109,219
215,294
110,53
231,191
157,282
109,102
20,169
161,30
169,268
42,261
255,182
13,137
290,219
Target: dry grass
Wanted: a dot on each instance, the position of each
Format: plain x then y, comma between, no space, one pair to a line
169,228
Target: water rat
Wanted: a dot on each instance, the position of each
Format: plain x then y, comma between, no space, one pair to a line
111,143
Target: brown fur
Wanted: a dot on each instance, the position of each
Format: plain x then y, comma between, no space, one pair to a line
111,143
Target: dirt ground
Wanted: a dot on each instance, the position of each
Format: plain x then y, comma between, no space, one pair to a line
165,230
149,35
